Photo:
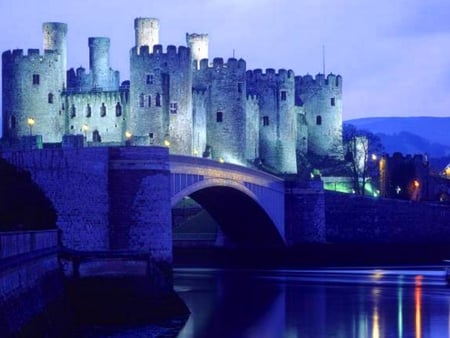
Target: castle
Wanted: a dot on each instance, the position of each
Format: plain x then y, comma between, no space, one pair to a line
175,97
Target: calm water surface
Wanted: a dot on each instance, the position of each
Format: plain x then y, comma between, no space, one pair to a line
309,303
321,303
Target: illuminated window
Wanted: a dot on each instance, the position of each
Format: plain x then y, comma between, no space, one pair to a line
73,111
219,116
283,95
158,100
265,121
149,100
118,109
333,101
50,97
319,120
88,110
141,100
36,79
103,110
149,79
173,107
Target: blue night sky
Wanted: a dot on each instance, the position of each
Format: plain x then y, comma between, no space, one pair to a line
394,56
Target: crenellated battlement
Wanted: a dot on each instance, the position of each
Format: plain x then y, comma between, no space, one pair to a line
32,53
331,81
182,52
270,75
232,64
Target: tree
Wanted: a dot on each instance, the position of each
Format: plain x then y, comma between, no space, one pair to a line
23,205
363,149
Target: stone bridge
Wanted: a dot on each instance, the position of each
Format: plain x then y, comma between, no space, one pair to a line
120,198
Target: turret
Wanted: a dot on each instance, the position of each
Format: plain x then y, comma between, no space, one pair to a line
146,32
54,38
198,43
99,61
321,99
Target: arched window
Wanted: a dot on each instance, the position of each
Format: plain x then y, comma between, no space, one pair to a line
158,100
88,110
50,97
73,111
149,100
96,136
103,110
319,120
118,109
141,100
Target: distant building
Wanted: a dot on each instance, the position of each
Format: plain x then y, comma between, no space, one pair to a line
175,97
410,178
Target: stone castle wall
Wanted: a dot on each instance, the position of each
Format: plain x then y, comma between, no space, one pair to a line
225,100
175,97
161,97
29,279
355,219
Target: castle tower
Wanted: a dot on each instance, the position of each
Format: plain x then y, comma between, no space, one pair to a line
146,32
277,117
99,63
32,86
161,97
226,118
321,99
198,43
54,38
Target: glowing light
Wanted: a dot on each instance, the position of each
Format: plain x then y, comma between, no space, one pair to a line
195,152
31,122
376,323
221,160
85,127
167,143
416,184
128,135
377,275
374,157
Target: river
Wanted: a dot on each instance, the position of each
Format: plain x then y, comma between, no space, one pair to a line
336,303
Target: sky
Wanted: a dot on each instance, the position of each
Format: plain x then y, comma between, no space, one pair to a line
393,55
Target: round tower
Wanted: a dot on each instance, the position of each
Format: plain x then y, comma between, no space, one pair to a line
146,32
198,43
99,61
321,98
277,117
54,38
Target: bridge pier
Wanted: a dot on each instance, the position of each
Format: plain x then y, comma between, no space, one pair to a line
304,212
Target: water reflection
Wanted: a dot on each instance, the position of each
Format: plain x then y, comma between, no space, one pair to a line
293,304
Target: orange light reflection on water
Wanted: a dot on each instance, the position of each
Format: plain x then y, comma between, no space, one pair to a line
418,305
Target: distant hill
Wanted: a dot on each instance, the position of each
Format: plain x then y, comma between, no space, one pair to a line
410,135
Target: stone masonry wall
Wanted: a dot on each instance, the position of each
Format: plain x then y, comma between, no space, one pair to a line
29,278
354,219
76,181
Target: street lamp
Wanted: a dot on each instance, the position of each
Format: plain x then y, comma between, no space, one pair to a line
31,122
85,128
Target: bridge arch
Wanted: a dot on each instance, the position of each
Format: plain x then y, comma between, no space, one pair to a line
238,202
